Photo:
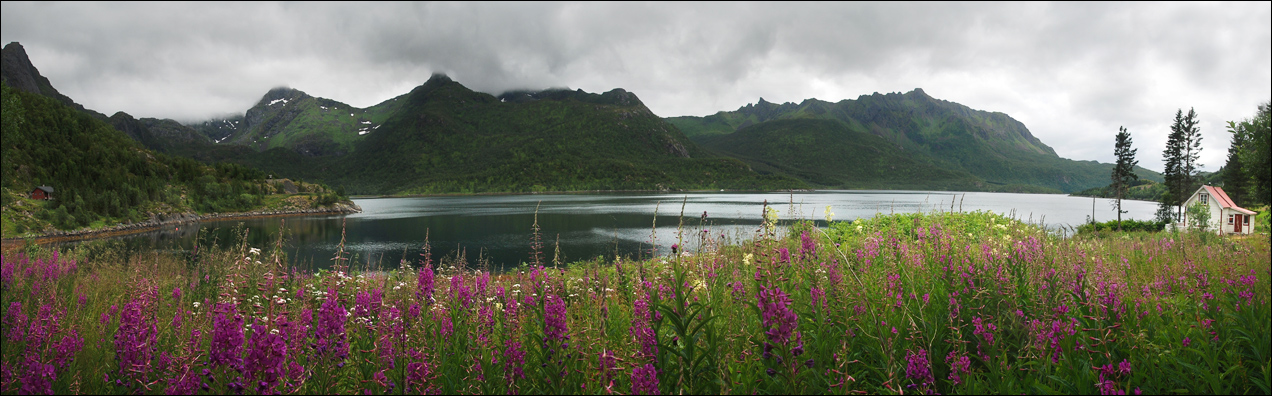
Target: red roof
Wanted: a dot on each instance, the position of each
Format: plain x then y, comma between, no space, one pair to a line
1224,201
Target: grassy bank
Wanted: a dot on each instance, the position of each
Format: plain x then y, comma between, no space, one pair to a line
911,303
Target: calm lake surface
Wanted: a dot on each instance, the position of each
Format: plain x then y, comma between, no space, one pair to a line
497,229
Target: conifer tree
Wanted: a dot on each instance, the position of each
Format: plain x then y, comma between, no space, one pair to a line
1183,149
1173,158
1124,170
1235,179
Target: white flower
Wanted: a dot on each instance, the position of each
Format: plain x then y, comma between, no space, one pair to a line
273,331
196,304
255,251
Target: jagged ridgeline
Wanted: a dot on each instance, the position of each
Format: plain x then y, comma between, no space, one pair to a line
989,146
446,138
100,175
289,118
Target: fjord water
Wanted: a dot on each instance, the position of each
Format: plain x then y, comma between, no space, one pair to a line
497,228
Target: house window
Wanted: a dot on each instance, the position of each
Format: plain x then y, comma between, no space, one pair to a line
1229,219
1245,220
1205,199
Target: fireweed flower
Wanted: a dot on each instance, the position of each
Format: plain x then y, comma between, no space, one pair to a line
807,247
227,338
425,284
330,339
645,380
642,329
460,292
265,359
134,341
958,364
418,372
777,318
983,329
554,325
514,361
919,369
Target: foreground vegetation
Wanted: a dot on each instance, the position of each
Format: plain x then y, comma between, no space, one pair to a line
911,303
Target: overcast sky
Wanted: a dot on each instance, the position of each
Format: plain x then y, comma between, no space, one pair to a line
1071,72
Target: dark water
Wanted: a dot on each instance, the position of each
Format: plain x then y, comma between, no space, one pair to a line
497,229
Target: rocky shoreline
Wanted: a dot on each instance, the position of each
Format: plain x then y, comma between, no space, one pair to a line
175,219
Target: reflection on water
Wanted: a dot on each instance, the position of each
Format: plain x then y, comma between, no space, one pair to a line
585,226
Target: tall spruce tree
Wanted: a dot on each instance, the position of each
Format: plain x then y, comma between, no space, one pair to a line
1192,153
1124,170
1235,179
1173,174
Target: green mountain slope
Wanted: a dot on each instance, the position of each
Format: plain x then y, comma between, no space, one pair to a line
291,119
990,146
447,138
832,155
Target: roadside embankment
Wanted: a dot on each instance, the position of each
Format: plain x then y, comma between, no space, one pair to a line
176,219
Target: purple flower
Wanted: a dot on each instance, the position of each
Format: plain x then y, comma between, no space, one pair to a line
645,380
134,340
554,319
227,338
777,318
460,292
958,364
417,373
329,333
1187,341
514,361
176,293
807,247
785,255
367,305
919,369
425,282
38,377
642,329
265,358
984,329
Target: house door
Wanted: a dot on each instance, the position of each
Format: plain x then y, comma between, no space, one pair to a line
1236,223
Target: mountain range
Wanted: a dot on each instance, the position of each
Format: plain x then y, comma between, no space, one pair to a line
445,138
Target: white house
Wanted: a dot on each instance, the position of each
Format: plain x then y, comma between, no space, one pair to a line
1225,216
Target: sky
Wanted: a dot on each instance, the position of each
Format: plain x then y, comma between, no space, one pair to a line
1071,72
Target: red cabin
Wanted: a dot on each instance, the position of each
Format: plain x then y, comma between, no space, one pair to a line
42,193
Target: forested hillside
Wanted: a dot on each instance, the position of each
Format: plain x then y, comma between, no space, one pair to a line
102,177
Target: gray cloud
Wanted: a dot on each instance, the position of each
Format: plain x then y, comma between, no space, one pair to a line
1072,72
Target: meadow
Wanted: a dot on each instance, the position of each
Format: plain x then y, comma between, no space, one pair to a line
903,303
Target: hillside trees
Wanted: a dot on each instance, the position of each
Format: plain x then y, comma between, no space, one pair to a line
1124,170
1250,144
100,175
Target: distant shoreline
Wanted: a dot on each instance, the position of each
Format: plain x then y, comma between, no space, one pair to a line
172,220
